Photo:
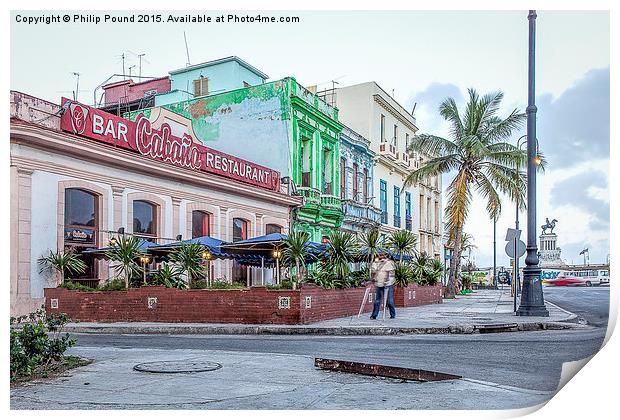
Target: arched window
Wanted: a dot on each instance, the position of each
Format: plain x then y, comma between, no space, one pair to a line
81,217
144,218
272,228
200,224
240,229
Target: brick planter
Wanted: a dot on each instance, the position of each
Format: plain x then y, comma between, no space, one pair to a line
416,295
256,305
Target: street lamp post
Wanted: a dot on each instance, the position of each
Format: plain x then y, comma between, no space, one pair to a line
532,300
494,251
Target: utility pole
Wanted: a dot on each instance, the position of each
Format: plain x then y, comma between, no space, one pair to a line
532,300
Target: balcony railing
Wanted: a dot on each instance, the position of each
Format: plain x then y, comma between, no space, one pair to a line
388,150
356,212
396,221
310,195
330,201
408,223
384,217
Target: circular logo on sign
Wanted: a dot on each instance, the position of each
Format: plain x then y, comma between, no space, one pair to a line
78,118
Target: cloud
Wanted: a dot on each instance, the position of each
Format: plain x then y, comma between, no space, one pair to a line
428,101
577,191
575,126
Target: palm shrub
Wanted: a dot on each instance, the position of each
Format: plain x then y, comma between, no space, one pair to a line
189,260
403,242
370,245
341,249
435,270
481,158
125,251
168,276
420,268
67,262
403,274
296,251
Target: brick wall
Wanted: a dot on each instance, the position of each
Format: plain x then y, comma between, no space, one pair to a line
256,305
416,295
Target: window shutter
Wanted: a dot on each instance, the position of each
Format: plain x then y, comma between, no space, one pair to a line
197,87
204,86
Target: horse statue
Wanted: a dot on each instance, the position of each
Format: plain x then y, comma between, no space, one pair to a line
549,225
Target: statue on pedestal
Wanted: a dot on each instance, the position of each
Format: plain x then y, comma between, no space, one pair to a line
549,225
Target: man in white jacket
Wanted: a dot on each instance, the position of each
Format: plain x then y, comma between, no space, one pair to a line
384,274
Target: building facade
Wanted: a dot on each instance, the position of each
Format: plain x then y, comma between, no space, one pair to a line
79,178
375,115
356,183
279,124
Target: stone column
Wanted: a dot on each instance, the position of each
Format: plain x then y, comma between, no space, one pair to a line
176,202
117,204
21,301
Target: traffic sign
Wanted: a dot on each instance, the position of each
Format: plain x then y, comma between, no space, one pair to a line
510,249
511,234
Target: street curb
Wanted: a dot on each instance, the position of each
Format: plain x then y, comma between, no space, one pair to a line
335,331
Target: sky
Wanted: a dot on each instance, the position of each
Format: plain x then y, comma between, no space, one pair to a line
422,56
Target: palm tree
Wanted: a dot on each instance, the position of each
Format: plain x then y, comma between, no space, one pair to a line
189,258
341,249
371,244
296,251
482,159
403,242
125,251
62,262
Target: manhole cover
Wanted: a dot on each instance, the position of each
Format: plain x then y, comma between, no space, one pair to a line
177,366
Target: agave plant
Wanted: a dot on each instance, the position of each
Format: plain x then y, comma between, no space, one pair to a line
403,242
296,251
420,268
189,259
402,274
62,262
168,276
371,244
434,272
342,248
125,251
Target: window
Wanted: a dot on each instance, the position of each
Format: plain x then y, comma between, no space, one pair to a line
382,128
365,186
327,172
240,233
200,224
305,163
343,178
201,86
436,216
144,218
240,230
271,228
406,141
383,200
355,189
396,206
80,217
408,218
395,138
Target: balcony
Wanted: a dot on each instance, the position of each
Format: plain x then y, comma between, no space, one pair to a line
388,150
397,221
384,217
403,159
311,195
330,201
408,222
360,214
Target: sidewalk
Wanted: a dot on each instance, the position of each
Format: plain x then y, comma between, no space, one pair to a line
480,312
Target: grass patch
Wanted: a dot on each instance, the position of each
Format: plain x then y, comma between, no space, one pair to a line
52,370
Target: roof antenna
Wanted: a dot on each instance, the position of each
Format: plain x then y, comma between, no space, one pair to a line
413,110
186,49
77,85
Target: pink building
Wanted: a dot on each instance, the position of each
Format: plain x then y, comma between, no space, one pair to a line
77,177
126,95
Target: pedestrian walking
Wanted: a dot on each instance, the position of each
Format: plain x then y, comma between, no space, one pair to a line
384,275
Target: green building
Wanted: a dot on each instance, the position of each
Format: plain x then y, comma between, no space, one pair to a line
278,124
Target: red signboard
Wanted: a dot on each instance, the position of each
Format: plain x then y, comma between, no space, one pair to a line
162,145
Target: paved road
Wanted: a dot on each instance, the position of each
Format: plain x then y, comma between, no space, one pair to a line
590,303
497,358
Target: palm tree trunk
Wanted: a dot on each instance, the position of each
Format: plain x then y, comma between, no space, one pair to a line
452,281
